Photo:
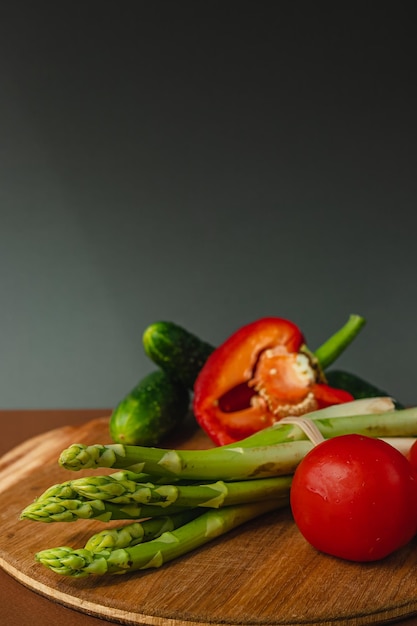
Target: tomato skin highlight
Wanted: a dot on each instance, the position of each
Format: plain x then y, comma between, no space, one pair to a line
412,455
355,497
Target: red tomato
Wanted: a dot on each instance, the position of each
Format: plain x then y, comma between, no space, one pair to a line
355,497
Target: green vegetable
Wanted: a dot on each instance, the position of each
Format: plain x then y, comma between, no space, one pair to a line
177,351
150,411
254,476
140,501
54,509
205,528
331,349
332,421
220,463
138,532
282,448
68,489
210,495
358,387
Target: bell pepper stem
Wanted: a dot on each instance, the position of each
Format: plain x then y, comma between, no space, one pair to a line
331,349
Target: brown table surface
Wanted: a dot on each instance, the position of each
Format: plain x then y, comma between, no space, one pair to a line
21,606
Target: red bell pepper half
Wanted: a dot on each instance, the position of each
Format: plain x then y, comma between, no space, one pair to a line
263,373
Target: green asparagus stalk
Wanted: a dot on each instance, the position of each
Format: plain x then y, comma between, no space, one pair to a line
279,432
215,464
286,448
79,563
66,490
132,505
212,495
55,509
138,532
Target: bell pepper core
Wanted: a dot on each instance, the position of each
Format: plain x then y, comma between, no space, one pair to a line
262,373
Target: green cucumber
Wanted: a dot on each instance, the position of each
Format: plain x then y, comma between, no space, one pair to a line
358,387
177,351
153,409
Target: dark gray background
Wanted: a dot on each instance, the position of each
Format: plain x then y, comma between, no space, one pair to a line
208,163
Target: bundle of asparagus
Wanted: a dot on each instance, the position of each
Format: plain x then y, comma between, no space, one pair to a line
174,501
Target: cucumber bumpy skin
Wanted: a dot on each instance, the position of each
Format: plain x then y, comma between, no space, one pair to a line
358,387
152,410
177,351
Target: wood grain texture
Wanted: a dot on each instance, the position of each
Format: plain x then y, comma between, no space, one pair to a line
262,574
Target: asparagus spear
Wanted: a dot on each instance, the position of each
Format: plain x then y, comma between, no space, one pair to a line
215,464
279,432
283,448
217,495
274,434
55,509
170,545
66,490
138,532
212,495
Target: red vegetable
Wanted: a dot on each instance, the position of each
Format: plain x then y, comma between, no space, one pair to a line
412,455
262,373
355,497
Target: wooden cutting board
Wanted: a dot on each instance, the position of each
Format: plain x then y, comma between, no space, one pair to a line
264,573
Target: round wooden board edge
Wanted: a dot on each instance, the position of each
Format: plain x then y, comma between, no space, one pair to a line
128,618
